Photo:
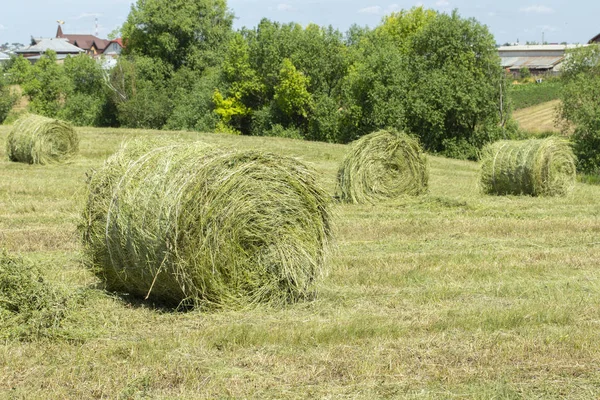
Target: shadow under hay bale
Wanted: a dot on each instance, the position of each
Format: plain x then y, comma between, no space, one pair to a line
187,224
537,167
35,139
382,165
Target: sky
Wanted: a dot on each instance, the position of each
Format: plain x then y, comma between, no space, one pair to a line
509,21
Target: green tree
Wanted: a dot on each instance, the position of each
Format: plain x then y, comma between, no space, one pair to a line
454,84
188,33
580,105
45,84
140,91
400,26
7,99
291,93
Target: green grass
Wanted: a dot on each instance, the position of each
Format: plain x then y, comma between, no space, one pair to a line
450,295
531,94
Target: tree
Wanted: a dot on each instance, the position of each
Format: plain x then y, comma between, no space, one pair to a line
45,84
454,87
580,105
291,93
188,33
7,99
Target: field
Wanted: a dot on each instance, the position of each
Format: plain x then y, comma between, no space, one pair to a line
531,94
450,295
538,118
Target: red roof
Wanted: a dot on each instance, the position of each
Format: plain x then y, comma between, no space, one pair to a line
84,41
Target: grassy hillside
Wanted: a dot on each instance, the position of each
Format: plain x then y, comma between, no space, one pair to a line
450,295
531,94
538,118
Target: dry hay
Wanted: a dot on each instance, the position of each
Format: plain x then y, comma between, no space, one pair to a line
537,167
35,139
186,224
30,307
382,165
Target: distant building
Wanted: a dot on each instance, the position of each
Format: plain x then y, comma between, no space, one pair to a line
92,45
4,57
114,48
39,47
539,59
595,39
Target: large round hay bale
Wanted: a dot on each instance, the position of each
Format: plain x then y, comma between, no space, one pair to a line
537,167
382,165
189,224
35,139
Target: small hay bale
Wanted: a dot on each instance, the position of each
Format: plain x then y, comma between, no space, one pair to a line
39,140
382,165
537,167
190,225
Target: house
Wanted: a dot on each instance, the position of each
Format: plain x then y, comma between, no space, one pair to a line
114,48
539,59
595,39
4,57
39,47
92,45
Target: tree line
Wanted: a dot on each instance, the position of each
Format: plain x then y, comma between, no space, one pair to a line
434,75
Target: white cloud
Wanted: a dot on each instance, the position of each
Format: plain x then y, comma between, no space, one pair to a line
538,9
285,7
370,10
2,27
86,15
547,28
442,3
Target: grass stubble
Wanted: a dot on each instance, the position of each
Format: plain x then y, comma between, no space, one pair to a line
450,295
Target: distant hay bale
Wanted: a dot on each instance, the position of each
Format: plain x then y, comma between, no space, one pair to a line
35,139
537,167
382,165
189,224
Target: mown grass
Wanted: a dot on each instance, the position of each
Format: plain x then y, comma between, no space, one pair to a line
450,295
539,120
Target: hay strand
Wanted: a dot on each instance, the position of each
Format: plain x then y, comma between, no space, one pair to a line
382,165
39,140
537,167
190,224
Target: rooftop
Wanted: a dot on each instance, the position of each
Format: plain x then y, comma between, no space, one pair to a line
540,47
56,44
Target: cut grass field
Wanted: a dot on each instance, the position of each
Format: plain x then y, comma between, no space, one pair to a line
450,295
538,118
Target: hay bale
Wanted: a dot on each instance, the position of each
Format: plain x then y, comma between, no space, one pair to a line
382,165
537,167
189,224
39,140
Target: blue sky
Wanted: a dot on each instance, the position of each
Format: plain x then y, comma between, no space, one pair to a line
508,20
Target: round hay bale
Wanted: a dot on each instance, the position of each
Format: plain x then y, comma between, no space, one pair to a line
537,167
35,139
189,224
382,165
